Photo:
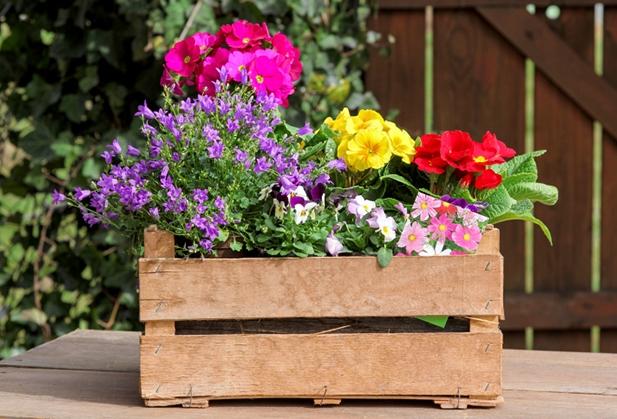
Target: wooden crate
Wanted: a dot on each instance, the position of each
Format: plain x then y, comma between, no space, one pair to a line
455,369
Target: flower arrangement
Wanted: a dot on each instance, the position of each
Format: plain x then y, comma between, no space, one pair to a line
221,167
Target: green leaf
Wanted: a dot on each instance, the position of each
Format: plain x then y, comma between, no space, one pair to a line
519,178
73,107
510,216
400,179
304,247
236,246
536,192
384,257
499,202
439,321
523,163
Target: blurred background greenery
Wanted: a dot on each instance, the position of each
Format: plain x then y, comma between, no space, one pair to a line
72,73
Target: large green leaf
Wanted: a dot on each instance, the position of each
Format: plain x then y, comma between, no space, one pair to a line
499,202
536,192
510,216
524,163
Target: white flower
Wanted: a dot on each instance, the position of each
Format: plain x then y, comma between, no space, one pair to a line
438,250
302,212
387,227
333,245
361,206
280,209
299,192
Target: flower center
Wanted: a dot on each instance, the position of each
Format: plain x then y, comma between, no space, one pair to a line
442,227
246,40
241,67
424,205
187,59
303,213
411,237
467,237
385,229
259,79
365,207
479,159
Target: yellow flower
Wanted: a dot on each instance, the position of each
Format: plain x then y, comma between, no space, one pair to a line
370,115
343,124
402,144
369,149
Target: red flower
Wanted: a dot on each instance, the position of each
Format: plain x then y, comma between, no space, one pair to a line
183,57
465,179
490,151
456,148
427,157
488,179
245,35
446,208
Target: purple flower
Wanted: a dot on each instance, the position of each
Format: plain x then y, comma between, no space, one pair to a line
133,151
115,147
107,156
154,212
232,125
215,151
401,208
338,164
305,130
333,245
241,156
57,197
206,244
155,147
207,104
175,156
143,110
219,203
81,194
261,165
377,214
461,202
90,218
200,195
210,133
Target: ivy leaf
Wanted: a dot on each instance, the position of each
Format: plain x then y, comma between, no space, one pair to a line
384,257
537,192
73,107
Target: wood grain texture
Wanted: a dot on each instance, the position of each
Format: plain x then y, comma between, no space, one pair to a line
480,86
175,289
158,243
307,365
397,80
160,328
558,118
608,337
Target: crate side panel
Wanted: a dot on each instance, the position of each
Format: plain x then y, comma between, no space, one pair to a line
310,365
176,289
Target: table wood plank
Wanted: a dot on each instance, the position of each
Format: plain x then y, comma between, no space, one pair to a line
95,374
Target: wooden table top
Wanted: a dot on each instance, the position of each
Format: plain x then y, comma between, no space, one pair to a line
91,373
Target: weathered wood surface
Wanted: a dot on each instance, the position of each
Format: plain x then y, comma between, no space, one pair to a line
340,365
175,289
451,4
536,384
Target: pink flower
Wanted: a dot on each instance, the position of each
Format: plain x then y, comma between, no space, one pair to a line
245,35
333,245
289,55
205,41
238,63
467,237
441,227
413,238
425,207
183,57
209,71
377,215
267,77
169,81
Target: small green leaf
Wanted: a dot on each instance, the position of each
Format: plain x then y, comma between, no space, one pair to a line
439,321
235,246
384,257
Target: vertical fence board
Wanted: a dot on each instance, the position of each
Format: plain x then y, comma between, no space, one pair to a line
562,128
479,86
397,80
608,338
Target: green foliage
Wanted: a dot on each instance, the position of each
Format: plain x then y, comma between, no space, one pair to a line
71,77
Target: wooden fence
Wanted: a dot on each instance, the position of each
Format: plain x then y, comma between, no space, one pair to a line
535,79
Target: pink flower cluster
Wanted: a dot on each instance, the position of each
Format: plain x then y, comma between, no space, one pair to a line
244,52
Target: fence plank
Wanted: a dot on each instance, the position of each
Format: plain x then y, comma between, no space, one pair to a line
562,64
560,311
608,338
419,4
479,86
566,131
398,79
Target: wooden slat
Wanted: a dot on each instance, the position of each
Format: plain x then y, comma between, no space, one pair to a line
397,80
480,86
559,121
560,311
560,61
176,289
419,4
84,350
608,338
309,365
